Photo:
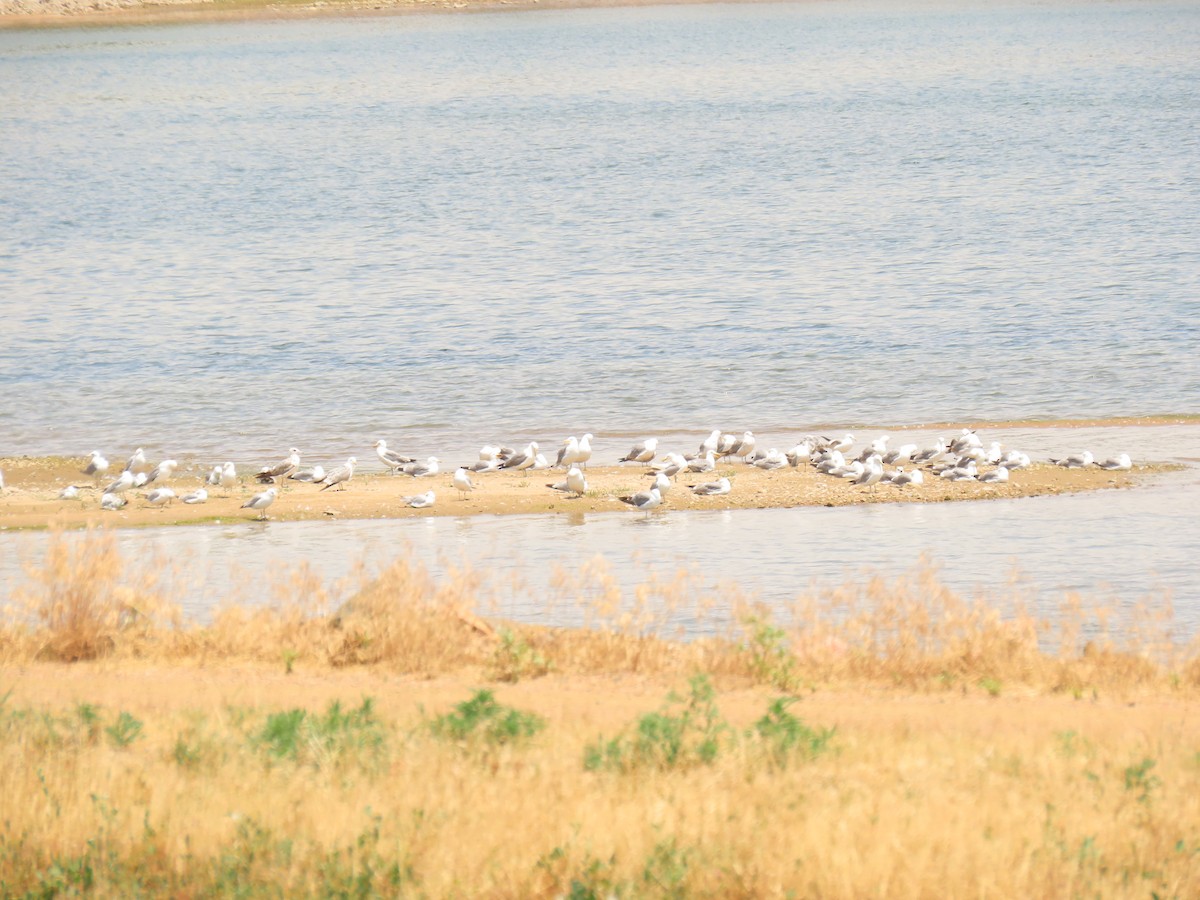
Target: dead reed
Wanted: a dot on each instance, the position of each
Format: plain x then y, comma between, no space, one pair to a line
86,602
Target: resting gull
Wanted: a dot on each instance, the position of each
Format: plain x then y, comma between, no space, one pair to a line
712,488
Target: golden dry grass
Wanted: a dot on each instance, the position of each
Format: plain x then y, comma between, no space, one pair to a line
975,750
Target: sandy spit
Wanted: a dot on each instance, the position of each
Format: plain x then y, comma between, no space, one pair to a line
31,498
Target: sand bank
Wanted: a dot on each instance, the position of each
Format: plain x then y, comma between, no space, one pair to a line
31,499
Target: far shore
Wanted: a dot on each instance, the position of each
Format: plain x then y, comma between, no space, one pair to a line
31,498
75,14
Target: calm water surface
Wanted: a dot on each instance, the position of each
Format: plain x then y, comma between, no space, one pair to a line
218,241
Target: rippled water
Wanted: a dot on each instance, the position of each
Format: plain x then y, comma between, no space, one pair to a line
222,240
234,238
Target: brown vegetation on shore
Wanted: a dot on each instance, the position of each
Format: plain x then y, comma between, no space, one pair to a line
391,741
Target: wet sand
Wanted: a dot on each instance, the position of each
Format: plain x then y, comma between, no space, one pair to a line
31,499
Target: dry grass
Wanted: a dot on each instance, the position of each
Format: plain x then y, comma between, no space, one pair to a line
975,749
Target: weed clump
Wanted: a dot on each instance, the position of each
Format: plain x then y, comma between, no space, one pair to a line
482,720
688,731
321,740
785,738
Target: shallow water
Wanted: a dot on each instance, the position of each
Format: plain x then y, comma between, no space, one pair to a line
222,240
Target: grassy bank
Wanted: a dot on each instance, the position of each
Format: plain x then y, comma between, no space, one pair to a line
884,739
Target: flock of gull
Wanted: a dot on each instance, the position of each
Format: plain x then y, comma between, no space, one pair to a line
964,458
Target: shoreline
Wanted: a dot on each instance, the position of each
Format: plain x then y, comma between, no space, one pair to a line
185,13
31,502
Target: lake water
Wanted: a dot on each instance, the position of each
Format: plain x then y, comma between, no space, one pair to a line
224,240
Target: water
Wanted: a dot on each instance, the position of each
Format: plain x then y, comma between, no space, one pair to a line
219,241
229,239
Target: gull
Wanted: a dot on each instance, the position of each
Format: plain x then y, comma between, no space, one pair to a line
1,480
523,460
123,483
671,464
97,465
576,483
140,480
462,482
1015,459
745,446
802,452
994,453
726,444
879,445
163,470
933,454
585,449
71,492
489,452
641,452
112,501
902,478
903,453
710,443
540,462
831,463
313,476
1120,463
663,483
213,477
1077,461
841,445
486,465
705,464
261,502
421,501
772,459
422,470
998,475
851,472
340,475
962,473
712,488
281,470
391,458
197,496
160,497
137,462
645,500
967,439
569,454
228,477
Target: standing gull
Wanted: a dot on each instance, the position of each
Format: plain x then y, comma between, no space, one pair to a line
160,497
137,462
522,460
340,475
97,466
644,500
641,452
228,477
123,483
163,471
281,470
391,458
462,482
261,502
